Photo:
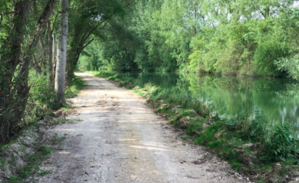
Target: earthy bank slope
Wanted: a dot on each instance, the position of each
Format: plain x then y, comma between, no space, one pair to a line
120,139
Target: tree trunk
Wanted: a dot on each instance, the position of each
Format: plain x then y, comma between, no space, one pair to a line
61,52
51,52
54,56
14,92
22,88
9,64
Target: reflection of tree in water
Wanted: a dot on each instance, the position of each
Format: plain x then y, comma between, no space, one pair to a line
274,99
165,80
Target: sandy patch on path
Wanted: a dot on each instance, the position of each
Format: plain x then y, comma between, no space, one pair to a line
120,139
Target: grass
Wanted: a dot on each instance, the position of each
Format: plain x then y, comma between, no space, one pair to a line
61,120
45,100
2,161
76,86
34,160
240,141
66,109
57,139
7,145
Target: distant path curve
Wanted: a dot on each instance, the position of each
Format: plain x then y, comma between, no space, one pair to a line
120,139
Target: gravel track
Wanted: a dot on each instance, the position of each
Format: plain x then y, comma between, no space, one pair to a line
120,139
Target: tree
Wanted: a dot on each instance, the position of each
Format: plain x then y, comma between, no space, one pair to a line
16,56
88,20
61,52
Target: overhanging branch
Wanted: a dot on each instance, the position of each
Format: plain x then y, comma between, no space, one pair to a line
87,44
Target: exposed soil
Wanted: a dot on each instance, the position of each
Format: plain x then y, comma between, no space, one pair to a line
120,139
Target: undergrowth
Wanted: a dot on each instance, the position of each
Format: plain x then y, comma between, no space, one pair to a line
33,165
76,85
34,160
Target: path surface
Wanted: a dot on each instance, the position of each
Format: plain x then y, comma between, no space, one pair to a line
120,139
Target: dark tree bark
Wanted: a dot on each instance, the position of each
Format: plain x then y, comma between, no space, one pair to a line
51,52
9,62
13,99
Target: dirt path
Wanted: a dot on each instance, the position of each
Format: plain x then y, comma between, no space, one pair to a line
120,139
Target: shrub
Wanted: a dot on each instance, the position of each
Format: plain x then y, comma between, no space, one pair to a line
280,145
42,93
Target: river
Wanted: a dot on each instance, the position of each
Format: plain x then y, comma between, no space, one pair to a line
275,100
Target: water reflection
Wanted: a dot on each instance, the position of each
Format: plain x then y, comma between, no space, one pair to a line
274,99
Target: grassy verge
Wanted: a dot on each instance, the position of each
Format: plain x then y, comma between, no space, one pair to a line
41,104
76,86
23,164
245,143
34,161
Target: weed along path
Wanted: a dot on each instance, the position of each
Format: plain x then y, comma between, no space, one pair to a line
120,139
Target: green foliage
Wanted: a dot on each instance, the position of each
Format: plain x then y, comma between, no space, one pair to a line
60,120
266,53
15,179
289,65
76,85
2,161
42,92
56,139
281,143
90,59
45,150
256,130
216,36
246,127
45,172
7,145
33,162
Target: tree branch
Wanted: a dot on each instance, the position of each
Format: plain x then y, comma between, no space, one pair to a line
127,5
87,44
1,18
53,25
11,12
86,36
93,29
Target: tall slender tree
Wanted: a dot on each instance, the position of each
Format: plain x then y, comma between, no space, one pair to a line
61,51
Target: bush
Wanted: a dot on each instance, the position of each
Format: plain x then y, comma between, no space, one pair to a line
76,85
289,65
266,53
280,145
42,93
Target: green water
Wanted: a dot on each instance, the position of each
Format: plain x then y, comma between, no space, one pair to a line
276,100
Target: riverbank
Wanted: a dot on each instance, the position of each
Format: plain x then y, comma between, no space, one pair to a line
120,139
32,144
241,142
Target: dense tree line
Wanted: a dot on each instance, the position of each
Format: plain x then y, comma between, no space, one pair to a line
40,41
248,37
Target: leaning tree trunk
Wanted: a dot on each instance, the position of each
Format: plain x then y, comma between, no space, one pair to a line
9,62
22,87
14,92
61,52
